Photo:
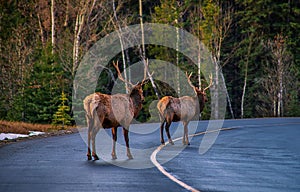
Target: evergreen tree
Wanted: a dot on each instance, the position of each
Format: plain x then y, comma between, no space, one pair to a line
62,116
43,88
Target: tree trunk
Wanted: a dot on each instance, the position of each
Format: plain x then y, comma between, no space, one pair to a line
67,13
119,32
143,51
216,87
77,32
53,40
199,65
280,92
246,75
41,30
177,59
142,28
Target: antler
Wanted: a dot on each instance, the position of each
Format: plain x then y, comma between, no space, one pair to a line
189,79
210,83
116,65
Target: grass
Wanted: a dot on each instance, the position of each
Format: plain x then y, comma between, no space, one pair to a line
24,128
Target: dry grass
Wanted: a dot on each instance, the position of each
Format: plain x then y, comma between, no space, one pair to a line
24,128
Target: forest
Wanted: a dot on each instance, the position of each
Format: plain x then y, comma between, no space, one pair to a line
255,43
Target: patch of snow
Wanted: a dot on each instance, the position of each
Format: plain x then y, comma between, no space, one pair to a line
33,133
8,136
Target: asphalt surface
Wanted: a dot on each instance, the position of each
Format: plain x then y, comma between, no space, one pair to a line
259,155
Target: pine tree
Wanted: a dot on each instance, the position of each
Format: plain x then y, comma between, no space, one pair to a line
62,116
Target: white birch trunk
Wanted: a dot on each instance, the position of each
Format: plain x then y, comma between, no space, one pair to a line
119,32
67,13
280,79
177,59
216,87
53,26
143,52
142,28
77,32
199,65
244,92
246,76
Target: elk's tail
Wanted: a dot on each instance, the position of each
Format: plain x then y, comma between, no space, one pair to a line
162,107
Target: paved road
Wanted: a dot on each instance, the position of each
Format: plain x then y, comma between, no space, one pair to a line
262,156
59,164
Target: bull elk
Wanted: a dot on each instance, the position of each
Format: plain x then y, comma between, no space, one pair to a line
111,111
183,109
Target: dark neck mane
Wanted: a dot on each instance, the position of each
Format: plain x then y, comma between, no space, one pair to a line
199,98
136,101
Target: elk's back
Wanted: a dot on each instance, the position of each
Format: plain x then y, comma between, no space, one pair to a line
108,110
183,108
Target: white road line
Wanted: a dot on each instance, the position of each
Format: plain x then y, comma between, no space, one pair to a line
184,185
161,169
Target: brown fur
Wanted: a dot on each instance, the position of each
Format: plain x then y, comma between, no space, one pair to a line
183,109
111,111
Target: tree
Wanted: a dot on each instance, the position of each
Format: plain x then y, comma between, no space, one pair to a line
259,21
62,116
278,78
53,34
214,29
171,12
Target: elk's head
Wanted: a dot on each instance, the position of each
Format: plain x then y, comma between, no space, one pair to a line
200,92
135,90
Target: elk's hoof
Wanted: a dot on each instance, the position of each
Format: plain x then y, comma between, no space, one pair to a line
186,143
113,157
95,156
89,157
129,156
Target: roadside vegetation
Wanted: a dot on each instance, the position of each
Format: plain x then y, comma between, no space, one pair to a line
255,44
25,128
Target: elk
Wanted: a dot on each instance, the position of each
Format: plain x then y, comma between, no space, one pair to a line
111,111
183,109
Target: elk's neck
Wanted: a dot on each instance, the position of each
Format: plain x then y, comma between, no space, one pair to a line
136,101
200,102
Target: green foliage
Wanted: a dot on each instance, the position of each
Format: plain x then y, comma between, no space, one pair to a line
32,78
62,116
42,88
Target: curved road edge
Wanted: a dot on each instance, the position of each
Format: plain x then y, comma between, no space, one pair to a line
181,183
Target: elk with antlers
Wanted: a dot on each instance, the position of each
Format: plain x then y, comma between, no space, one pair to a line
183,109
110,111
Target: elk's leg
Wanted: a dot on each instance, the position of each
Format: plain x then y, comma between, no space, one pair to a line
114,135
162,132
185,139
89,156
125,132
168,132
89,153
94,133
